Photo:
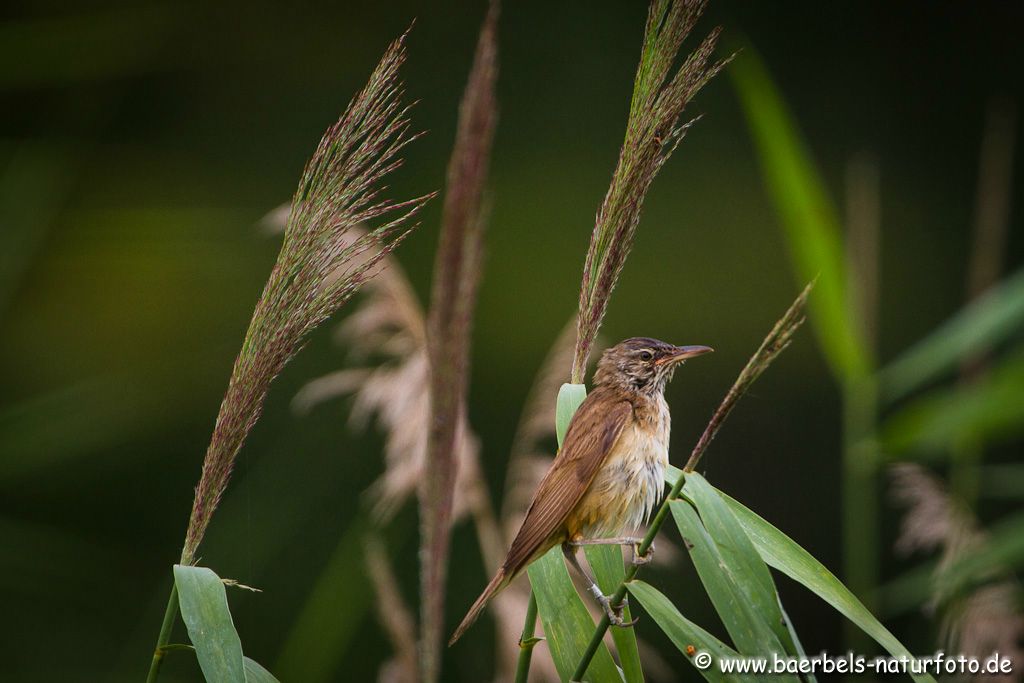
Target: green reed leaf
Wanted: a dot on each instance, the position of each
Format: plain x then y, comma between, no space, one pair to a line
255,673
755,582
973,414
570,396
782,553
204,609
808,216
734,591
567,623
606,561
979,326
685,634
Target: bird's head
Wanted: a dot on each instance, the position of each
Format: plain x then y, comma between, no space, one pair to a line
643,364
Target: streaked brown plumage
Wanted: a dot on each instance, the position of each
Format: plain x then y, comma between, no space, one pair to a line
607,477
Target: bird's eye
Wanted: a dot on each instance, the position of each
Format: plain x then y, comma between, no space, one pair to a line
646,355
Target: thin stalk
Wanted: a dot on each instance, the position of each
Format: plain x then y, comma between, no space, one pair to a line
991,226
165,635
859,392
860,457
776,341
527,640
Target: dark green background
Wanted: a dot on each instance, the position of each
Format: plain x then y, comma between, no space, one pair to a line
140,145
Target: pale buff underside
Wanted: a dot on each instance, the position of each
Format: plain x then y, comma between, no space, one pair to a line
629,483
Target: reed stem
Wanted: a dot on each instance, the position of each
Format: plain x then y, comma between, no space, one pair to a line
165,635
527,640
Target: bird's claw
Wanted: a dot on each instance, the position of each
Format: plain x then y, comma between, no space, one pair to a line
614,612
640,560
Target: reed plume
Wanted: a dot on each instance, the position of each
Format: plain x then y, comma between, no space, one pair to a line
319,266
653,132
389,381
457,269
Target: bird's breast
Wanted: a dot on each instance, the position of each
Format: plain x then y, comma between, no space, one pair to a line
631,480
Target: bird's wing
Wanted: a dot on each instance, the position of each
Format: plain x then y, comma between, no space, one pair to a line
592,433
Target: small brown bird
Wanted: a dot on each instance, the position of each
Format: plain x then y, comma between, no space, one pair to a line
607,477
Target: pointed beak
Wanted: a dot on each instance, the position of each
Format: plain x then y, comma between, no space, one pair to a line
683,352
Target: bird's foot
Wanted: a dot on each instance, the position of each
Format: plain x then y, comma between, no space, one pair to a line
640,560
615,612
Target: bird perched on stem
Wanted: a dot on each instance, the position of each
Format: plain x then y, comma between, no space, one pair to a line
608,475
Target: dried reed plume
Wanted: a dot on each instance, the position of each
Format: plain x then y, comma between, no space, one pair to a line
652,133
987,618
319,266
387,323
456,276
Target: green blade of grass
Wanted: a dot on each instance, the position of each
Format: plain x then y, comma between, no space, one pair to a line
730,588
567,623
809,219
570,396
979,326
685,634
606,561
204,609
797,645
782,553
973,414
754,580
255,673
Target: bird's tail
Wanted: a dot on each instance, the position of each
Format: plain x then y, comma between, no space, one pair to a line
497,584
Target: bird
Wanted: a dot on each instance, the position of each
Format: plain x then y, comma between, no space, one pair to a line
607,477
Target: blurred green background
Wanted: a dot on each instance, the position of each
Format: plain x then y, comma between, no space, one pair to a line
140,145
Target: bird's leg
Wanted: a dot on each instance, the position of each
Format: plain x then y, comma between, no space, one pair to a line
614,612
631,541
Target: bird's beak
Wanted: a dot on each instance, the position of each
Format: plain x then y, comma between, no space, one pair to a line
683,352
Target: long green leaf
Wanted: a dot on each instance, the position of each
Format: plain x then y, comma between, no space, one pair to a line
781,552
567,623
754,580
978,413
797,645
606,561
982,324
685,634
255,673
204,609
729,588
570,396
808,216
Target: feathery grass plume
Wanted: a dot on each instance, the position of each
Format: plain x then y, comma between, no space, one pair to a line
653,132
988,618
456,276
318,269
388,328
